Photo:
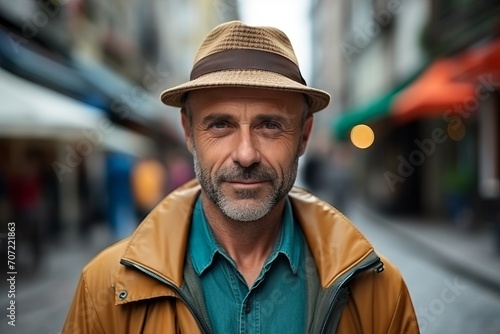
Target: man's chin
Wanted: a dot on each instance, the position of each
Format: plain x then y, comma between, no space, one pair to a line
245,216
245,209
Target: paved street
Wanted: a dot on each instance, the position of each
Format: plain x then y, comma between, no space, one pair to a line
445,301
42,300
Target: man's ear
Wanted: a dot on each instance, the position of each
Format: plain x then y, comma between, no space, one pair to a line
306,134
187,130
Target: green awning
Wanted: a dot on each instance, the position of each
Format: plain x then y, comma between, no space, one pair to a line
367,112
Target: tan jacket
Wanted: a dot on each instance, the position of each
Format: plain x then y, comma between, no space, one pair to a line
135,286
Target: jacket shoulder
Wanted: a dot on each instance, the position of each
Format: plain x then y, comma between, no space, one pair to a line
380,302
101,272
94,296
335,242
108,258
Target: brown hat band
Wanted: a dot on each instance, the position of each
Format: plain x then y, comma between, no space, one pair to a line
247,59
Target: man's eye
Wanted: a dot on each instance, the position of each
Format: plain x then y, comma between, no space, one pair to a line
271,126
218,125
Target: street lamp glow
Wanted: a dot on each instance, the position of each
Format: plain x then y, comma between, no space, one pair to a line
362,136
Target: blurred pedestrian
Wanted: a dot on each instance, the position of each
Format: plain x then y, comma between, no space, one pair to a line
240,249
25,195
180,170
327,170
52,197
317,170
496,226
458,187
341,178
121,214
149,178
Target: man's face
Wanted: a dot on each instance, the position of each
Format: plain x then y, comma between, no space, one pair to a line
246,144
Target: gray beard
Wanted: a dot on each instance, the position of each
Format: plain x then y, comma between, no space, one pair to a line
262,205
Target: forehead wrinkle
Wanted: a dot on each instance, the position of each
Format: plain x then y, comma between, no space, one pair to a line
245,110
237,102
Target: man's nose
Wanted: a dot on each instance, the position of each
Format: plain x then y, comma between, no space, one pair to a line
247,152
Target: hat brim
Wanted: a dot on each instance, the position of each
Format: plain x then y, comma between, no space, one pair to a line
318,99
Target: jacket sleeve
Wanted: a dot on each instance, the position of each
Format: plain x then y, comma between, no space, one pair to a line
82,317
404,320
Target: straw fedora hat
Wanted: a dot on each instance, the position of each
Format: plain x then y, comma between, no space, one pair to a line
237,55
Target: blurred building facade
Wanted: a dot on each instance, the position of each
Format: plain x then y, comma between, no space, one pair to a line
79,85
424,76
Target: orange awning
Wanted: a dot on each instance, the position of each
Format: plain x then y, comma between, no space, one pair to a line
450,85
481,61
433,93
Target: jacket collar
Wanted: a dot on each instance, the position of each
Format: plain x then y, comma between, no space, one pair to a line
334,242
159,243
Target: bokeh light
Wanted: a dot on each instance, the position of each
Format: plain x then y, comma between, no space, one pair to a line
362,136
456,130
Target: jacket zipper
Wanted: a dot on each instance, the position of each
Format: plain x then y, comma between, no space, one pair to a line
372,261
203,326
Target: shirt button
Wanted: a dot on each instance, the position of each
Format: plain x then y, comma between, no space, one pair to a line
247,308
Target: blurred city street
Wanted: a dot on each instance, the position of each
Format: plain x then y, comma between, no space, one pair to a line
408,147
448,298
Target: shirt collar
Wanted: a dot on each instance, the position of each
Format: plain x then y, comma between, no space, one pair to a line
203,246
202,243
290,242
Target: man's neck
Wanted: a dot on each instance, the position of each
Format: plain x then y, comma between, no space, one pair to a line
247,243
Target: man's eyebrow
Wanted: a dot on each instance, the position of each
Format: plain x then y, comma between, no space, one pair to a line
217,117
221,117
272,118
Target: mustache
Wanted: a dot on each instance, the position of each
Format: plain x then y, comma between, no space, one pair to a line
254,173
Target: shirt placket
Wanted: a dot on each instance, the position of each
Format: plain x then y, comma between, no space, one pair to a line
252,302
250,312
249,318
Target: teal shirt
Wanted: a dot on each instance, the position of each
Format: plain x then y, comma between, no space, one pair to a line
276,302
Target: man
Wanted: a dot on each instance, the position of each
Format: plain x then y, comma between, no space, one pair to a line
242,251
